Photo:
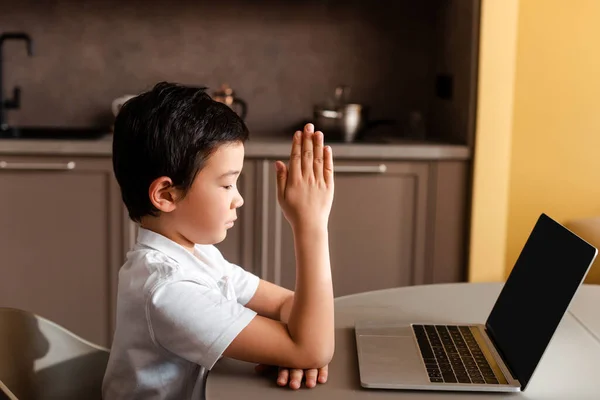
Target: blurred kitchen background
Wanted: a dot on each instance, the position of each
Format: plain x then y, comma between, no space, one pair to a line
280,57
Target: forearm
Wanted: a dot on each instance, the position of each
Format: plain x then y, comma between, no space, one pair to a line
286,309
311,319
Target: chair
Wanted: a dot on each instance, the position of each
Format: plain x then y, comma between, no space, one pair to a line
41,360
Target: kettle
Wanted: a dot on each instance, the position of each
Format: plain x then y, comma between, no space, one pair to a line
226,95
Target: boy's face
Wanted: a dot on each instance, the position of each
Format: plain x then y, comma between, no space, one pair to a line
208,210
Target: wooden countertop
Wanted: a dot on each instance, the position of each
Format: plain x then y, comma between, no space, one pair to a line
259,147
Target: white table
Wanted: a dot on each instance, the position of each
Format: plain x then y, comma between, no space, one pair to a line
585,308
570,368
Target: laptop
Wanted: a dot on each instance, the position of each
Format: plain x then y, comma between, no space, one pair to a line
498,356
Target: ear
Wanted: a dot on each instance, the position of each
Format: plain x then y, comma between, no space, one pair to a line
163,195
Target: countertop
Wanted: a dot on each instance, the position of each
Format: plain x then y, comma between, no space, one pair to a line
258,147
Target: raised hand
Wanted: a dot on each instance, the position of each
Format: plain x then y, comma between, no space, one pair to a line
305,187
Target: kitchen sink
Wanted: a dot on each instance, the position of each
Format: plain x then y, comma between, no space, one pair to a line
53,133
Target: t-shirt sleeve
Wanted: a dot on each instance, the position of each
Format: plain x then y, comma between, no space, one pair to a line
194,321
244,283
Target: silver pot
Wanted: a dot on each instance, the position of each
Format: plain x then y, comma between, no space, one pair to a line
338,119
340,123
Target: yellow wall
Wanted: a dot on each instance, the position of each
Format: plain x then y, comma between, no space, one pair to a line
489,218
555,165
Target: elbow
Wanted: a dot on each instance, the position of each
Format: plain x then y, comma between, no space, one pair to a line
325,358
319,357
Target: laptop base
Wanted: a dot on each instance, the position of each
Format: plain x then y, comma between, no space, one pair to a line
389,358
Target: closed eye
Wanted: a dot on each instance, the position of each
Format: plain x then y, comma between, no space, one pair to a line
228,187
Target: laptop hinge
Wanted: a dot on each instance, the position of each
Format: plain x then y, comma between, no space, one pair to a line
490,334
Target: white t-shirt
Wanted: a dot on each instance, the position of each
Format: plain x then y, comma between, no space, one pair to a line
176,314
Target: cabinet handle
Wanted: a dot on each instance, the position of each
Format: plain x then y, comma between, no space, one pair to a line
361,169
38,166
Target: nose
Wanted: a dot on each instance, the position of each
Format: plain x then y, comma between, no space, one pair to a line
238,201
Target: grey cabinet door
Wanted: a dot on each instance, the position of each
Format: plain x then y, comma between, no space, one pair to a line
377,228
61,241
240,243
447,233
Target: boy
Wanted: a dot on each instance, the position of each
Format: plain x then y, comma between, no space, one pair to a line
181,306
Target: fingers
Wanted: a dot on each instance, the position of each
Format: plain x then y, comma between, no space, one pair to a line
307,150
311,377
282,175
296,378
323,374
282,377
296,157
309,157
318,155
328,166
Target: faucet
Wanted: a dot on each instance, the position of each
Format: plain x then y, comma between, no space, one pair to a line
15,102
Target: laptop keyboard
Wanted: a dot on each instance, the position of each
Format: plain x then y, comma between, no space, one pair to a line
452,355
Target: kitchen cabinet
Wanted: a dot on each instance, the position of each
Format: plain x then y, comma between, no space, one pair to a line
64,231
61,238
447,217
393,223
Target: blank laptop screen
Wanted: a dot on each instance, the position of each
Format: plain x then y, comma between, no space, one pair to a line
537,293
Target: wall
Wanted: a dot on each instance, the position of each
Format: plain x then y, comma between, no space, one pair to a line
279,56
555,166
493,140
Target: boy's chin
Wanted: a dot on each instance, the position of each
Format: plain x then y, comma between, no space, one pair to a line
220,238
213,238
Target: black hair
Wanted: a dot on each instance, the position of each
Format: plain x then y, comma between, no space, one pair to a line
170,130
